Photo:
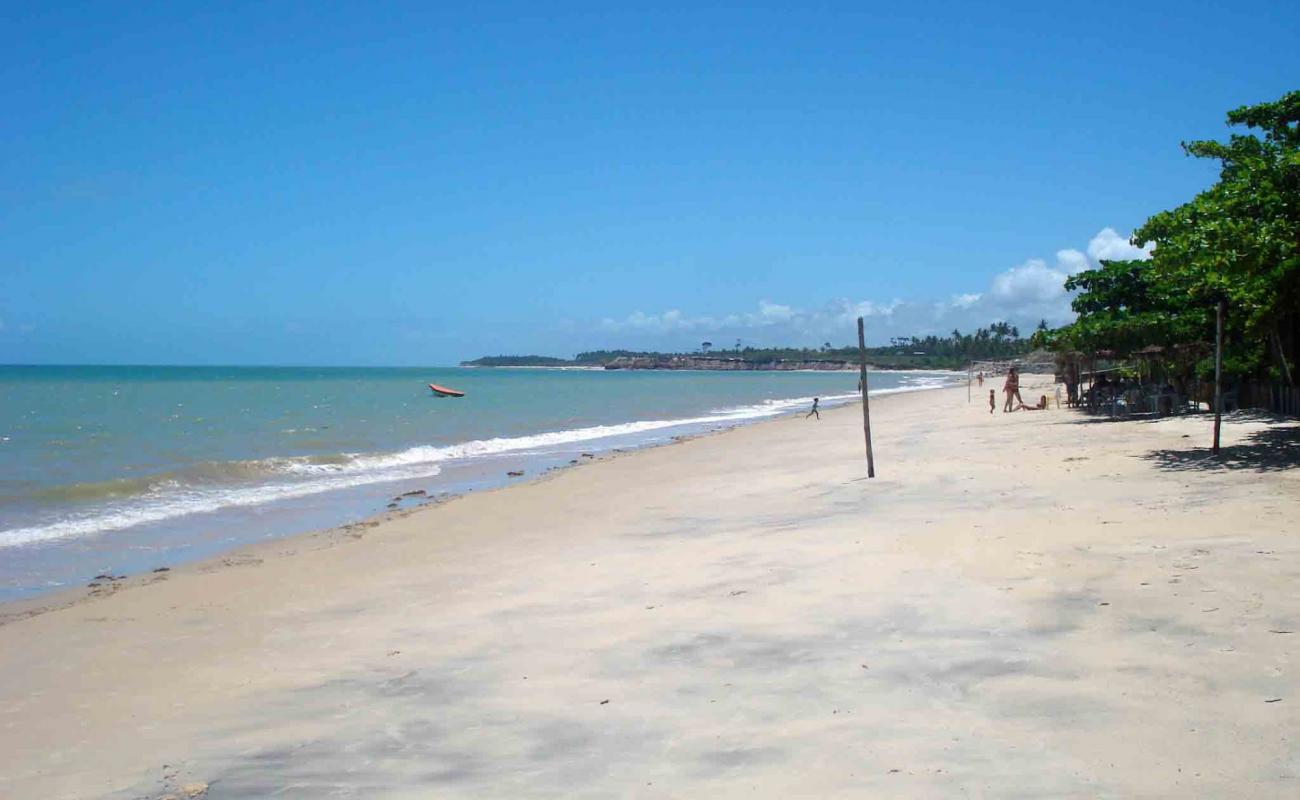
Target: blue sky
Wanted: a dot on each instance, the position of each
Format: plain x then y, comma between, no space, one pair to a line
416,184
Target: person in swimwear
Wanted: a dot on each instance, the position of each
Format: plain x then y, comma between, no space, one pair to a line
1012,390
1042,405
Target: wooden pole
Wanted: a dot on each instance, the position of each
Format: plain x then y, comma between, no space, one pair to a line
1218,375
866,409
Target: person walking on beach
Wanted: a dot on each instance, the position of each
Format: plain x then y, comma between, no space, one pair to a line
980,378
1012,390
993,402
814,410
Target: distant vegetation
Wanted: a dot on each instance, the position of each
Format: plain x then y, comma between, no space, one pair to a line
954,351
518,361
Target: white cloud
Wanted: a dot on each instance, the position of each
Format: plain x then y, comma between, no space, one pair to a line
1030,283
1072,260
667,322
767,315
1022,295
1108,245
774,311
1035,289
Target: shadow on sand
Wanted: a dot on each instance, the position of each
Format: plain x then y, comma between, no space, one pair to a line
1093,416
1273,449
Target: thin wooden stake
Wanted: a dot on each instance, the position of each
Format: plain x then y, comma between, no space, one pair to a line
866,408
1218,375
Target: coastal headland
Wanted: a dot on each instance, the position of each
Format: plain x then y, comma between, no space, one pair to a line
1041,604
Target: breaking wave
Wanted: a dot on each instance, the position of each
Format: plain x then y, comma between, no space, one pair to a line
212,486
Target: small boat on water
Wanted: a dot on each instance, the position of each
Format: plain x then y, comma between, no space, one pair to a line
443,391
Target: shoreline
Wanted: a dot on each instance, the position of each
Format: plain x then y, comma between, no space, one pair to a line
466,477
26,607
19,608
740,610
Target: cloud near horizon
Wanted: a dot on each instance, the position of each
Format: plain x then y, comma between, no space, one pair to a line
1021,295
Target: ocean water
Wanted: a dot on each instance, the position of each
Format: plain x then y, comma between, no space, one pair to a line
122,469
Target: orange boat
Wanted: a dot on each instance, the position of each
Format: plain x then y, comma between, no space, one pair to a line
443,391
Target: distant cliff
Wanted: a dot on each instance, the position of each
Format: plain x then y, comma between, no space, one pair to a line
733,364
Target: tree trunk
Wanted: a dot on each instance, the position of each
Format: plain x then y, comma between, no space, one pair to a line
1281,355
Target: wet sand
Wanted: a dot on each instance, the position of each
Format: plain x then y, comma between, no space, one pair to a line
1023,605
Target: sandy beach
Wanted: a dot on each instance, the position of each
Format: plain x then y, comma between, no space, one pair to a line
1019,605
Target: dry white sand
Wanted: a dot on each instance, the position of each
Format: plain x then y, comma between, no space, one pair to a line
1023,605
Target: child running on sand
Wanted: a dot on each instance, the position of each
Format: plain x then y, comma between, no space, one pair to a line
993,401
814,410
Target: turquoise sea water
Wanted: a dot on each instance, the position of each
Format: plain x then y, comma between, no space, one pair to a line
120,469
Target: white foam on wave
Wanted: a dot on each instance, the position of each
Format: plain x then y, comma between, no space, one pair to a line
172,501
431,454
169,500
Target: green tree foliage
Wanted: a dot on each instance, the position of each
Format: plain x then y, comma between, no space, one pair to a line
1124,306
1237,241
1239,237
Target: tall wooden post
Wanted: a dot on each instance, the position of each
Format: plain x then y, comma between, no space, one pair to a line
1218,375
866,409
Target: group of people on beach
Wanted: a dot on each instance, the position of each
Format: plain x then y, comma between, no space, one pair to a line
1011,388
